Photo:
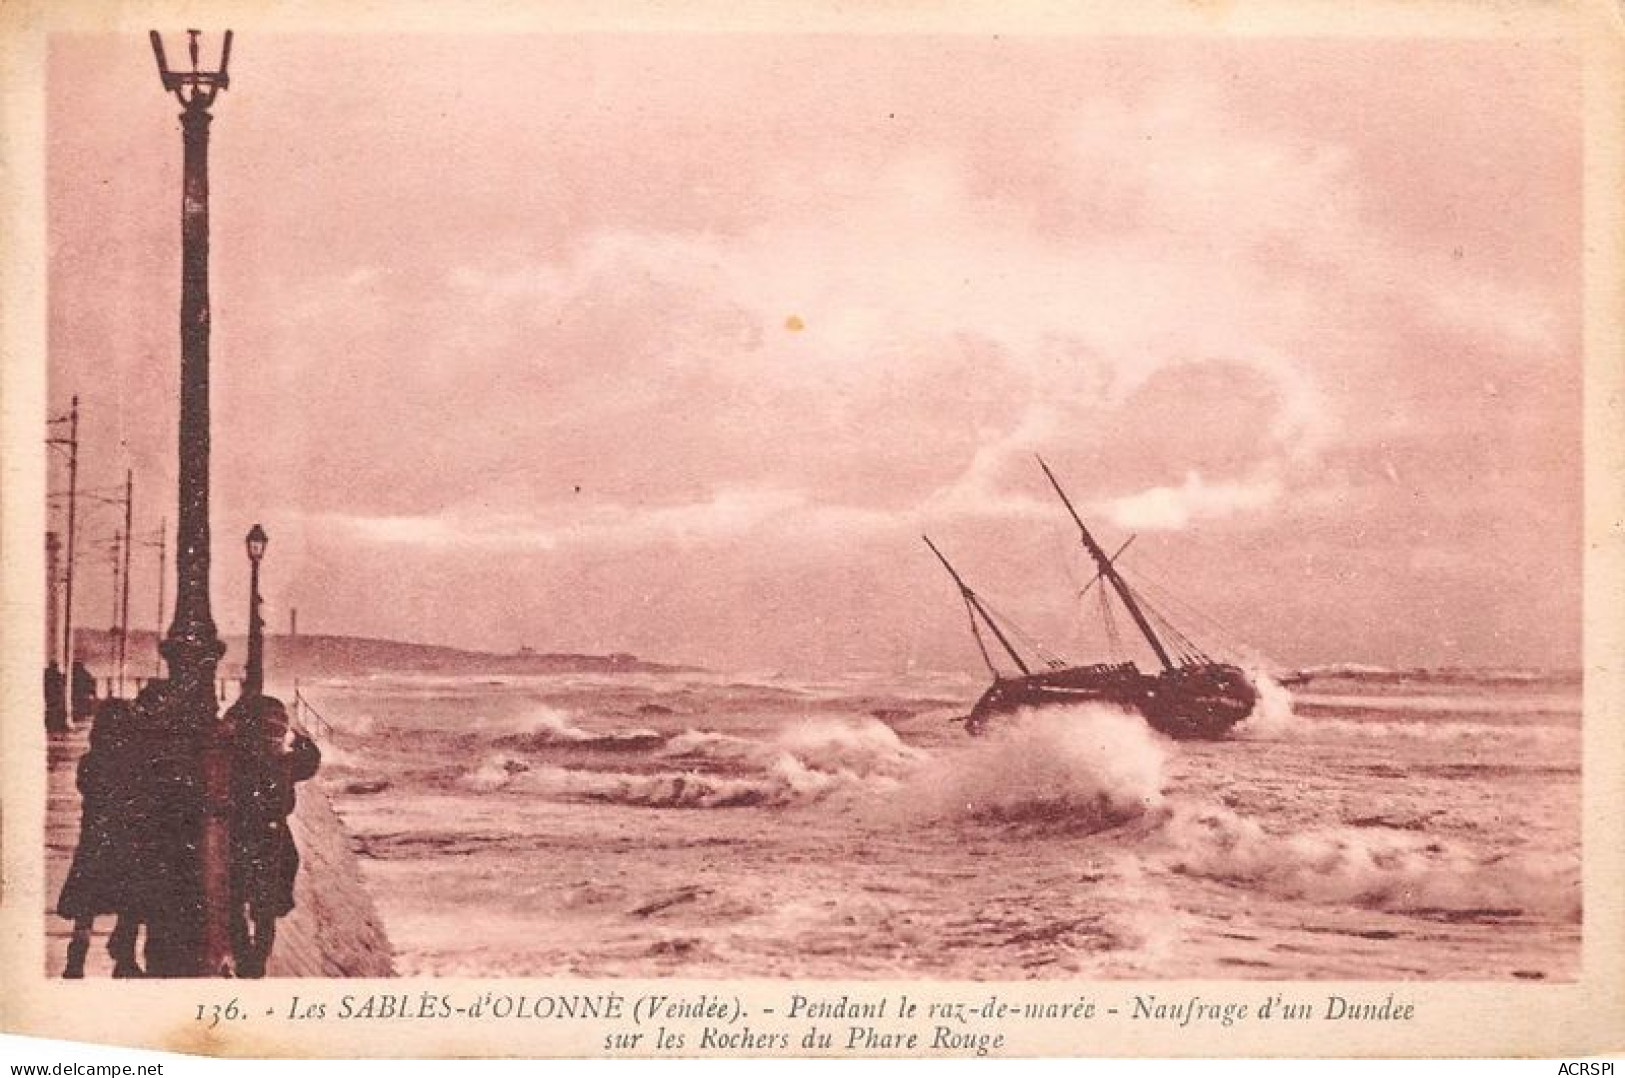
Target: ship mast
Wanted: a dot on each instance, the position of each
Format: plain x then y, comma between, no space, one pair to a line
975,603
1109,571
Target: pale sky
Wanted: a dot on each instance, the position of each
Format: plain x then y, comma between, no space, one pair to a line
675,344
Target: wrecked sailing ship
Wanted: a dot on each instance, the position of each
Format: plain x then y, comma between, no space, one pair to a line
1193,697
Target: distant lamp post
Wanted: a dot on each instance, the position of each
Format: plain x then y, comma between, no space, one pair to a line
254,676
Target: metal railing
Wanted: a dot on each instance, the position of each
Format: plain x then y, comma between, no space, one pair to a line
304,711
312,720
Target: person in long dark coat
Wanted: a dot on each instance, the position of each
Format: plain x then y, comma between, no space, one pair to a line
106,861
83,691
56,700
165,890
265,861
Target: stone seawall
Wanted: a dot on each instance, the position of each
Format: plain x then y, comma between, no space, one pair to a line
334,930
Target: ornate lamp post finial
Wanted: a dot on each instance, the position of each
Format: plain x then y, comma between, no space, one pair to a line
194,88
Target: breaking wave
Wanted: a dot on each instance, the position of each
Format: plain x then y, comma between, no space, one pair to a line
800,764
543,726
546,723
1365,672
1276,717
494,773
1352,670
1273,716
1520,704
1371,867
1467,732
858,746
1090,766
785,784
709,746
1329,728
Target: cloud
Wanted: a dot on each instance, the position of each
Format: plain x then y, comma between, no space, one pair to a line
1173,508
941,338
725,516
1216,284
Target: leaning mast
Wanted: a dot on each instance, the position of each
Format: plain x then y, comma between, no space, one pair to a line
975,603
1109,571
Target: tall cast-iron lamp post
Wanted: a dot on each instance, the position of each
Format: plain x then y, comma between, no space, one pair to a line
254,676
199,930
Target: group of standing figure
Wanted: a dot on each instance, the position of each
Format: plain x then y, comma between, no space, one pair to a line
58,715
141,789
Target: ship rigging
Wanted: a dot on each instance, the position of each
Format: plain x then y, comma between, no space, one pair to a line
1191,696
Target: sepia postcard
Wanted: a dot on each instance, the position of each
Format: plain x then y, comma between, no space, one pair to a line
910,530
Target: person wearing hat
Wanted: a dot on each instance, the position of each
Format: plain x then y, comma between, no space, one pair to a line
265,769
105,876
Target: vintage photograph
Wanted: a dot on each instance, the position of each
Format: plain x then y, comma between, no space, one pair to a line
916,507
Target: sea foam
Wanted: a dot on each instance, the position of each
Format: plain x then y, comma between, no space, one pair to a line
1088,765
1272,717
1373,867
801,764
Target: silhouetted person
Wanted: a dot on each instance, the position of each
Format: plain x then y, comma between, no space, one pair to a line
264,861
167,890
106,863
84,692
56,700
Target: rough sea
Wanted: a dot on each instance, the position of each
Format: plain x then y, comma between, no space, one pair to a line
1365,824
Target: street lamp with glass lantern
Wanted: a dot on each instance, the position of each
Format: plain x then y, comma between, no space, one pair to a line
193,935
254,675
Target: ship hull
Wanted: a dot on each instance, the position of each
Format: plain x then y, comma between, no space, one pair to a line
1199,702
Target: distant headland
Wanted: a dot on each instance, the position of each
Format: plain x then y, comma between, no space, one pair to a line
320,655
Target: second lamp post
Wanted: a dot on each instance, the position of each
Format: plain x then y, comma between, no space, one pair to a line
254,673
